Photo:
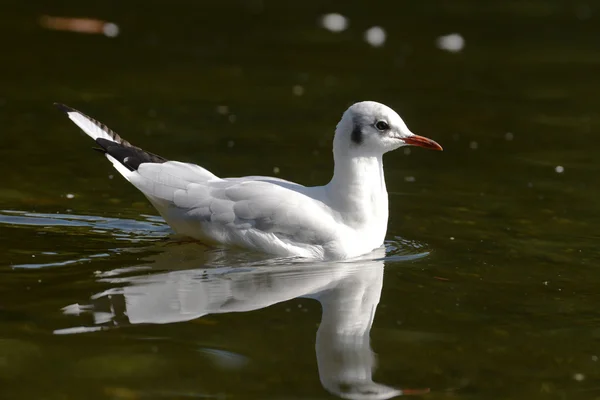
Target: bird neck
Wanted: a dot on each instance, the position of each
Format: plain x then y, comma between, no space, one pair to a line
358,187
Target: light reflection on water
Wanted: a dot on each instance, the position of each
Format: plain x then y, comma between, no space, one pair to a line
348,292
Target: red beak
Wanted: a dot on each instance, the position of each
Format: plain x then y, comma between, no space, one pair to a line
421,141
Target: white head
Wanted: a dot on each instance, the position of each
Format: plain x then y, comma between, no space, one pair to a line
371,128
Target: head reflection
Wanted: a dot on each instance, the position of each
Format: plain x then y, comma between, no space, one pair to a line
348,292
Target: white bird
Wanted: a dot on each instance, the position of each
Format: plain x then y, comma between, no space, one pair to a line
343,219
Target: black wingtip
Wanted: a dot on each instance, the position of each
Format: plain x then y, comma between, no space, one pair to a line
63,108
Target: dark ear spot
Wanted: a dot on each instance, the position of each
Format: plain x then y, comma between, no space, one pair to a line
357,135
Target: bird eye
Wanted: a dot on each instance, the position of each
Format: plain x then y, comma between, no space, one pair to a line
382,125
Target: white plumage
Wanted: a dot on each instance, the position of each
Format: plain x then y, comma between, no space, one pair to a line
343,219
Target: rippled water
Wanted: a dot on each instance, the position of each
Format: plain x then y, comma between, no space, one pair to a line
486,287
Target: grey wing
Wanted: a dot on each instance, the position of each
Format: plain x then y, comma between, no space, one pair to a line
185,194
264,206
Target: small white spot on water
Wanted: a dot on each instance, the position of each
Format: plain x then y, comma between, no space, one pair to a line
275,170
473,145
334,22
451,237
298,90
232,118
579,377
407,151
230,143
409,179
594,358
110,29
70,195
223,110
509,136
559,169
375,36
453,42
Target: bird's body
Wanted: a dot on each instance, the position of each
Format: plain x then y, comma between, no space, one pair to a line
343,219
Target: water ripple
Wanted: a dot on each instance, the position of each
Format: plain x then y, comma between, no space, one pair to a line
150,228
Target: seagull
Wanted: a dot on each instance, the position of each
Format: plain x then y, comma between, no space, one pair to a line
344,219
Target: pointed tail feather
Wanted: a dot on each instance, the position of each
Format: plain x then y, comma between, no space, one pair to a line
92,127
110,142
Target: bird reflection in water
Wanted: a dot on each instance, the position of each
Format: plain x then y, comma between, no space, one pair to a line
348,292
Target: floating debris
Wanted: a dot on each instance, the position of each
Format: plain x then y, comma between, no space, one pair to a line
276,170
559,169
70,196
334,22
375,36
453,42
409,179
80,25
298,90
579,377
223,110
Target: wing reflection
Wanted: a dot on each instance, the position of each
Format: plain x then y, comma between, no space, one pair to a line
349,293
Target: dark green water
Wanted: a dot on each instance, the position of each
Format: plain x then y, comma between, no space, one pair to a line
489,286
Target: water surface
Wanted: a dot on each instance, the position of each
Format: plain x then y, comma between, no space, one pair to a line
486,288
